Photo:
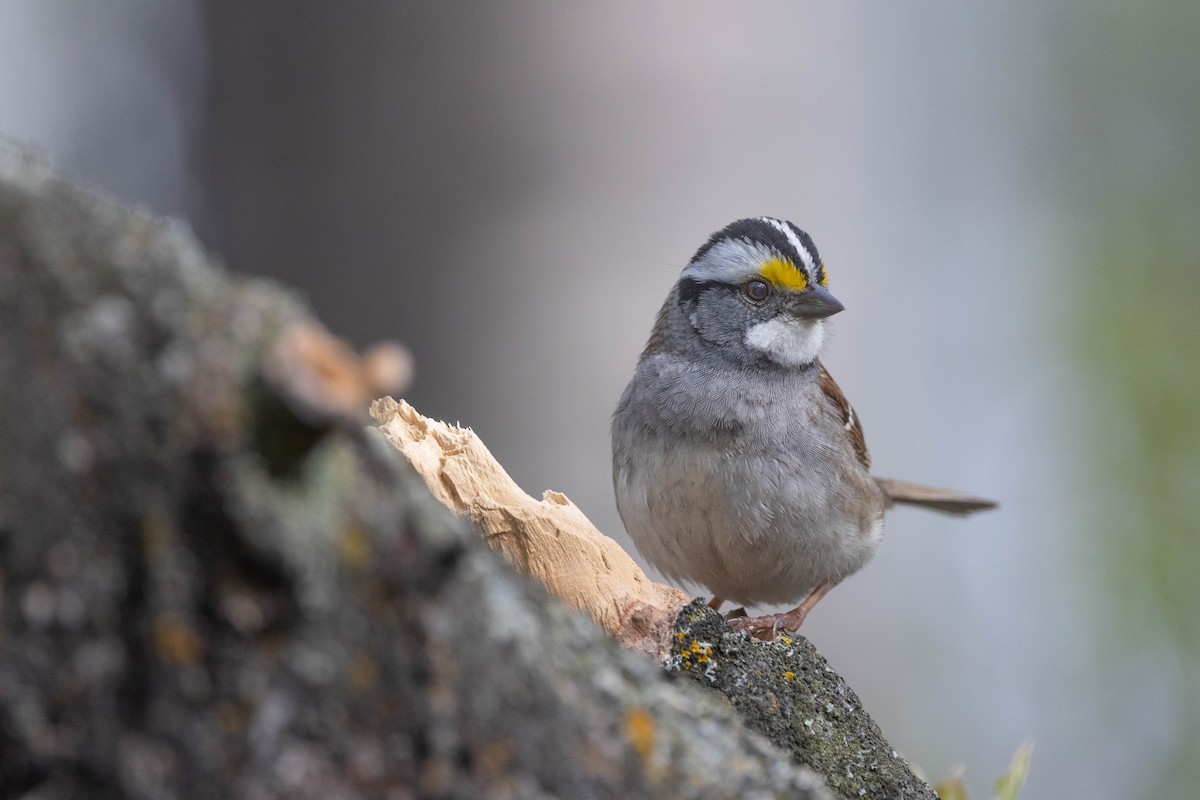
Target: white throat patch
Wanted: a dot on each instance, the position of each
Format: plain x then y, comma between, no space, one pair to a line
787,341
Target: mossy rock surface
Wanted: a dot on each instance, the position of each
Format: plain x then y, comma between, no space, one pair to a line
788,692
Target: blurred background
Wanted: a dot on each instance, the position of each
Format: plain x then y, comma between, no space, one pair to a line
1007,197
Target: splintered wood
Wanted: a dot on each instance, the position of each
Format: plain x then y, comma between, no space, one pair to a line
549,539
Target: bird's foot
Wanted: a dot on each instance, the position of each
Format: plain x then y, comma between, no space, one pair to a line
769,627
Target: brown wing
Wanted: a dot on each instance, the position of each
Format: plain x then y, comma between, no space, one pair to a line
846,414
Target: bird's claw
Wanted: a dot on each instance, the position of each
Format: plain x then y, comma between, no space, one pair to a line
768,627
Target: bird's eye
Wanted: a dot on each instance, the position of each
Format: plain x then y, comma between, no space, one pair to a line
757,290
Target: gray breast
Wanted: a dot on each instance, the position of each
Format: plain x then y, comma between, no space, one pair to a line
739,481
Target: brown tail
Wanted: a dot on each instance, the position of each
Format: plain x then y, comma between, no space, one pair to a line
946,500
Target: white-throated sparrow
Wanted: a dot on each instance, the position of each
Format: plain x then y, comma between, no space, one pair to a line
737,461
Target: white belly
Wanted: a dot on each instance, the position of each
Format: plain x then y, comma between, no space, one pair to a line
707,516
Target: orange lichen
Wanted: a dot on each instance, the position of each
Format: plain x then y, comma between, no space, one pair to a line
363,673
639,729
175,641
354,546
494,756
702,651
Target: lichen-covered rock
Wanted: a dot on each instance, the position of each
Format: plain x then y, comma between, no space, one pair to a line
788,692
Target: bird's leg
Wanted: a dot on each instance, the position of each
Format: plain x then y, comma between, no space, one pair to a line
769,626
716,603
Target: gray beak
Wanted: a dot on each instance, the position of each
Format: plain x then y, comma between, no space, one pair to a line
815,302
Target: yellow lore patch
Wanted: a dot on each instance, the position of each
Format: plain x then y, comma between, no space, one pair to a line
783,273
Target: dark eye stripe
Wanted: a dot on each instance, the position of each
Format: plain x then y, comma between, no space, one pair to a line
690,289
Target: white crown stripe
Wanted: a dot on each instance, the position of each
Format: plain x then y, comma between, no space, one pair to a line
729,261
794,241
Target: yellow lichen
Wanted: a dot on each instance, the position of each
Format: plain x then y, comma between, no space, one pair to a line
639,729
363,672
354,546
789,676
175,641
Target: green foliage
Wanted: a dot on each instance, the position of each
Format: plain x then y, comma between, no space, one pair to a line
1140,326
1135,84
1007,786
